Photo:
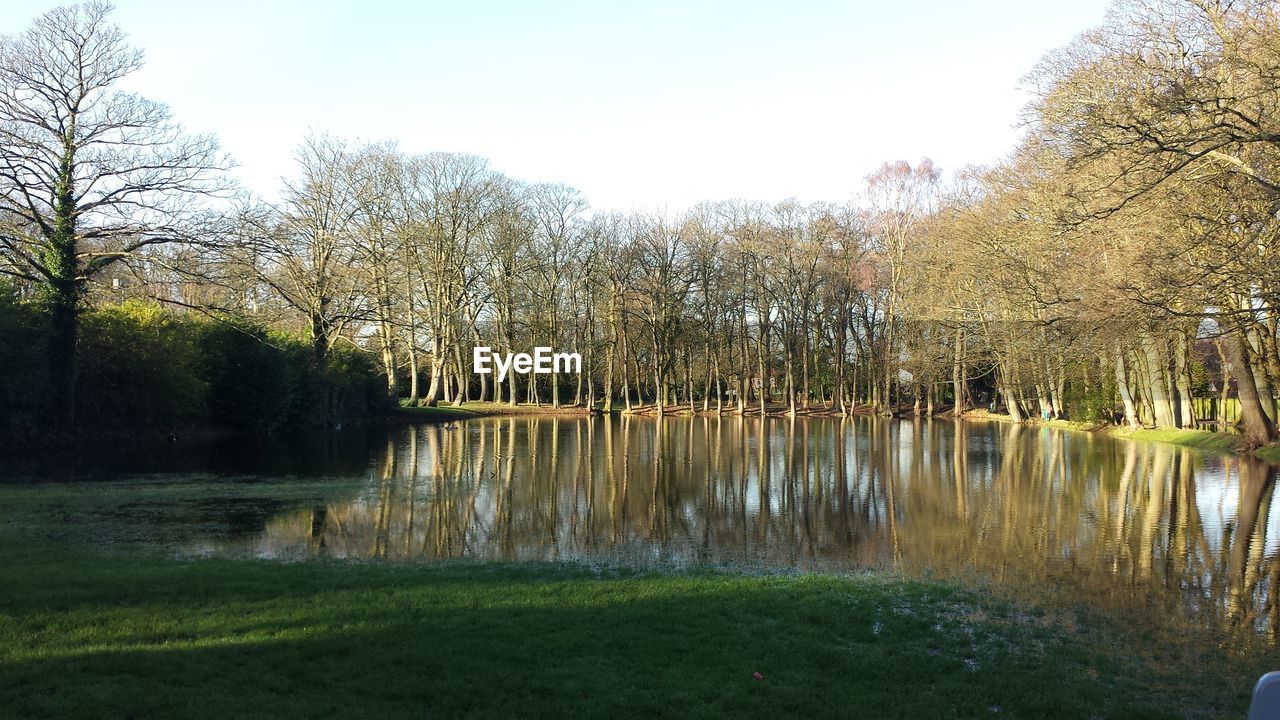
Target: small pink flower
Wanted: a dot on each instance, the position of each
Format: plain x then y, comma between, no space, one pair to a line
757,676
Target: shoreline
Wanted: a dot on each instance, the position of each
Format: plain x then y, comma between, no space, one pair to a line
477,409
1202,440
1221,443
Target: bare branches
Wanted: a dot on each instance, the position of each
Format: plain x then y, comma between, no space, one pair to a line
88,173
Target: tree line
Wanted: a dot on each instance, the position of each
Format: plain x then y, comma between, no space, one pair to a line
1117,265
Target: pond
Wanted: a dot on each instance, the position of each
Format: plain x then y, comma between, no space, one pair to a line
1068,516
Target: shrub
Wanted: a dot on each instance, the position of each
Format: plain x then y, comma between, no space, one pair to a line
23,370
145,370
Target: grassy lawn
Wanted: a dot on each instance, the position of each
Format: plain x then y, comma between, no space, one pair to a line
1204,440
139,635
1270,453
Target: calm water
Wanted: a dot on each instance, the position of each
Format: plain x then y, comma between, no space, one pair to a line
1031,510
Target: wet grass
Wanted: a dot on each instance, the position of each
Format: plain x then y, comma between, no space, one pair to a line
84,634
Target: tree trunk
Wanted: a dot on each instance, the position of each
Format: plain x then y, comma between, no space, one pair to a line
608,378
791,381
432,397
1182,381
706,385
1010,401
1225,379
413,374
463,386
719,388
385,335
63,356
1157,374
760,366
1126,396
1258,361
1258,428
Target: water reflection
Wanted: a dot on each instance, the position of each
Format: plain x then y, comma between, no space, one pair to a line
1122,523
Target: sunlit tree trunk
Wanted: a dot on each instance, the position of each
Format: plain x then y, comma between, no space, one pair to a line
1258,428
1126,395
958,384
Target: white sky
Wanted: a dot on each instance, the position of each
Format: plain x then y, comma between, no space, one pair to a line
639,104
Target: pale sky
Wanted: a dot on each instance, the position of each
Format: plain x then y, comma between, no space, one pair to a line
656,104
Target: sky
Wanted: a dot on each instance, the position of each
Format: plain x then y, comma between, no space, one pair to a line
641,105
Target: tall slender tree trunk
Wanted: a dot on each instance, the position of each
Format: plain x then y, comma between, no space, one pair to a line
791,379
744,354
804,362
1126,395
463,386
1225,380
706,384
1182,381
1010,399
760,367
413,374
841,341
1156,370
719,388
608,379
688,380
434,390
659,384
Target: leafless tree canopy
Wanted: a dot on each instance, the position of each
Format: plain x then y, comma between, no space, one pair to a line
74,149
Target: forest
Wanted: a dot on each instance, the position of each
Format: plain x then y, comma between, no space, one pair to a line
1119,266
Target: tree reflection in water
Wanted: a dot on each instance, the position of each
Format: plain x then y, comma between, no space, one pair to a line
1030,509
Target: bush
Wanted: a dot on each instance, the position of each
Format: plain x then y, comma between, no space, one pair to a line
140,368
1092,402
251,382
23,370
144,370
346,389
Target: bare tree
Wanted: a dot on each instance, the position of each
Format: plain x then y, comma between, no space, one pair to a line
898,196
306,249
89,174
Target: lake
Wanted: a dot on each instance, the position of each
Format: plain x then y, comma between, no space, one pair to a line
1057,516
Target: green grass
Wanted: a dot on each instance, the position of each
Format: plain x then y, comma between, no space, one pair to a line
137,635
1270,453
1203,440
